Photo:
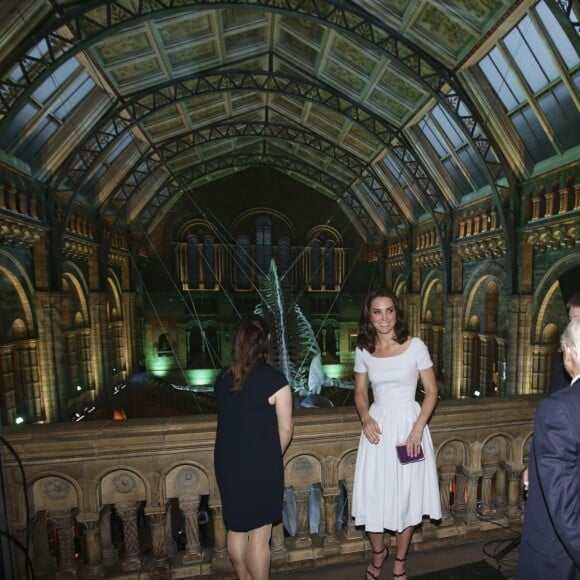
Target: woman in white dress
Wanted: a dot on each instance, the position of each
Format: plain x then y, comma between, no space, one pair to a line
389,495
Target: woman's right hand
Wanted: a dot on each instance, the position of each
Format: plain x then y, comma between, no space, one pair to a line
371,430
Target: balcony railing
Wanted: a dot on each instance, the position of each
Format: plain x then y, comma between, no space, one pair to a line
113,499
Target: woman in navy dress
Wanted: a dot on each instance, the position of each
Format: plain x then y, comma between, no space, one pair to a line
254,429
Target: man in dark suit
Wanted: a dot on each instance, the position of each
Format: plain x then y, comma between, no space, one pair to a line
560,377
550,542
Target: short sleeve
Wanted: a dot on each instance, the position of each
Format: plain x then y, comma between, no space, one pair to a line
423,357
359,364
273,379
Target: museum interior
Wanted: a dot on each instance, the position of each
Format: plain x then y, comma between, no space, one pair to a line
168,166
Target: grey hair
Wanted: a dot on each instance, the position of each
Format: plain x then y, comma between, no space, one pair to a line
571,335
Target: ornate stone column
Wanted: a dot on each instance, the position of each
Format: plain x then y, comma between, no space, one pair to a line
468,362
330,502
110,554
189,507
94,550
471,508
132,557
51,353
130,335
8,395
71,360
541,368
459,505
452,353
42,559
156,516
486,499
438,335
170,546
63,522
86,370
277,544
501,364
303,539
563,201
500,487
221,559
31,378
514,473
101,366
445,479
485,364
351,532
518,360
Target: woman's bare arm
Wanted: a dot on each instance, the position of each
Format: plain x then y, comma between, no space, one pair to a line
282,400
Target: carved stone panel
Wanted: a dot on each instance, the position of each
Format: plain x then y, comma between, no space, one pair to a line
122,486
54,494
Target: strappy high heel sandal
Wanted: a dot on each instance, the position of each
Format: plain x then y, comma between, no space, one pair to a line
402,574
368,574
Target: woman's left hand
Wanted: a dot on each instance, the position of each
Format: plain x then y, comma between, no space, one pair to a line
414,441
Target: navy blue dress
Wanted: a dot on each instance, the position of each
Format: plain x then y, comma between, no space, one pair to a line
247,457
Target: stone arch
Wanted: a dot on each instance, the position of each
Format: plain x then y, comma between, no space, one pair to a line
124,484
303,469
54,492
478,282
551,276
498,447
433,286
451,453
346,464
400,286
114,302
543,318
17,289
78,283
186,479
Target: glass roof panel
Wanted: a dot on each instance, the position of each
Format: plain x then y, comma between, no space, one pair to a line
454,149
562,43
78,89
531,132
502,78
558,106
56,81
36,139
531,80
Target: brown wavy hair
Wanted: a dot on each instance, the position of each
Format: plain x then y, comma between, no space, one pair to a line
367,335
250,347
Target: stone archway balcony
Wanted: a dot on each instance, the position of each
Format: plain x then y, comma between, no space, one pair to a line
121,499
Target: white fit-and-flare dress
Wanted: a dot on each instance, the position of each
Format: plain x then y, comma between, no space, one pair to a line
386,494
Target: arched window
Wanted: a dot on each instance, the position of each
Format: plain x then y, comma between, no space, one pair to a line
209,276
315,265
263,243
243,264
326,259
283,256
192,262
329,271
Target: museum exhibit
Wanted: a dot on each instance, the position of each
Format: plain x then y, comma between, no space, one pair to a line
169,166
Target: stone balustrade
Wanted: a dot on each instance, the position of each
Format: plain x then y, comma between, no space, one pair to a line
123,499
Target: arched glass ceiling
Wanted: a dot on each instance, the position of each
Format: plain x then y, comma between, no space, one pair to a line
392,70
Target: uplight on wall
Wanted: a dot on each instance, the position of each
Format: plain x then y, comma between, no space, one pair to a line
19,420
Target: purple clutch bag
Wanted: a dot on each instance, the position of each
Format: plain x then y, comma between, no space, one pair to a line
405,458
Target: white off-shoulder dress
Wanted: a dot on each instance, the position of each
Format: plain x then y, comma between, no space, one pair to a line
386,494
